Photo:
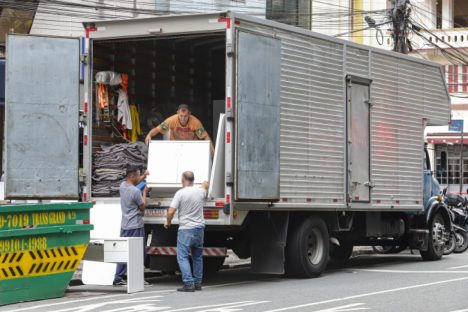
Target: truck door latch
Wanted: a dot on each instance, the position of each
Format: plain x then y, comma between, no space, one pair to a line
370,184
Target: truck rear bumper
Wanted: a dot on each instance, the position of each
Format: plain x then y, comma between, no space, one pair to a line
172,251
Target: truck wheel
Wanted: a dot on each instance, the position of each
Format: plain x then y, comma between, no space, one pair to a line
212,265
436,241
341,253
307,248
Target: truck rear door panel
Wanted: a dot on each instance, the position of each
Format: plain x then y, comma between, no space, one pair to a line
42,111
258,122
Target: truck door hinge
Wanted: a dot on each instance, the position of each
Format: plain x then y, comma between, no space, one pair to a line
84,58
229,181
229,116
229,50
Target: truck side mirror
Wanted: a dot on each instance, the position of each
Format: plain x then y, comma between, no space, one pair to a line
444,191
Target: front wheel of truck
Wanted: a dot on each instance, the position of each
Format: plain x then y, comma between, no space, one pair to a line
436,241
307,248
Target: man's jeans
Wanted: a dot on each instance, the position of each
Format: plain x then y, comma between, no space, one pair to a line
190,240
122,267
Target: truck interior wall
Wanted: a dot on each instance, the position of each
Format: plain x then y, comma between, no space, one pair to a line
163,72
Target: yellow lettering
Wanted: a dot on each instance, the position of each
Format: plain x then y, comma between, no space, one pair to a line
62,217
15,220
26,219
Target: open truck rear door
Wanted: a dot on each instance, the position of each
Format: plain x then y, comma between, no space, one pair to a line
42,115
258,117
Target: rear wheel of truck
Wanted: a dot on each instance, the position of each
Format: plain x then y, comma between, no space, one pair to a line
436,241
341,253
307,248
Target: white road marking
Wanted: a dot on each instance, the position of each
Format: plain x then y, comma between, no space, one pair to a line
346,308
98,305
137,308
370,294
406,271
104,297
85,300
458,267
465,310
224,307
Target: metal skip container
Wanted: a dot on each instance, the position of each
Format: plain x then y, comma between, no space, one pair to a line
41,246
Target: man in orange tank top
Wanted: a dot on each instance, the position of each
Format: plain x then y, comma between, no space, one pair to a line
182,126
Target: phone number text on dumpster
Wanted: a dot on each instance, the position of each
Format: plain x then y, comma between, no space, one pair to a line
23,244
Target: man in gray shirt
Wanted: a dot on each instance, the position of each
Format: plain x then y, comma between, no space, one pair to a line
189,203
133,205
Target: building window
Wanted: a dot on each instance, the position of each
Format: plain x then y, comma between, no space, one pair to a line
447,164
295,12
439,14
460,9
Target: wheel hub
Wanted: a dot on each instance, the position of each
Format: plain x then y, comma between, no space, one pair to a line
315,246
438,234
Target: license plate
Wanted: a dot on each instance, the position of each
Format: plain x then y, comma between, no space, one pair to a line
155,212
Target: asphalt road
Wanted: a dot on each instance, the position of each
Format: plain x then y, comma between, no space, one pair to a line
368,282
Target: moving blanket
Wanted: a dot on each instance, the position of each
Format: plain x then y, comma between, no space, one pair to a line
110,165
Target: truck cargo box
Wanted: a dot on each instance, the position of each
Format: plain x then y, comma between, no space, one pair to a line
312,122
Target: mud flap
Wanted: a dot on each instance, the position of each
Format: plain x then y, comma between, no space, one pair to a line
268,231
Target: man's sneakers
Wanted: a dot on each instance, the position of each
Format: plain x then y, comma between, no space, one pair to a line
187,288
124,283
190,288
121,283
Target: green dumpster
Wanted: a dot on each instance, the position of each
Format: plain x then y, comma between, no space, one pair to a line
41,245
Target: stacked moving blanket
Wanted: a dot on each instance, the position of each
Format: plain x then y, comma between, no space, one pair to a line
110,166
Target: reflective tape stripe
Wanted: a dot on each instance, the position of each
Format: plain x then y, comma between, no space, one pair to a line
40,262
172,251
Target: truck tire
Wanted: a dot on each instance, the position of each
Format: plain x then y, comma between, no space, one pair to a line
341,253
307,248
436,243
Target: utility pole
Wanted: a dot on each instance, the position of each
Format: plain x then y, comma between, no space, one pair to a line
461,160
400,15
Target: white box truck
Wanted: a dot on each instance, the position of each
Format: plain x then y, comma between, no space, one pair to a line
322,147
